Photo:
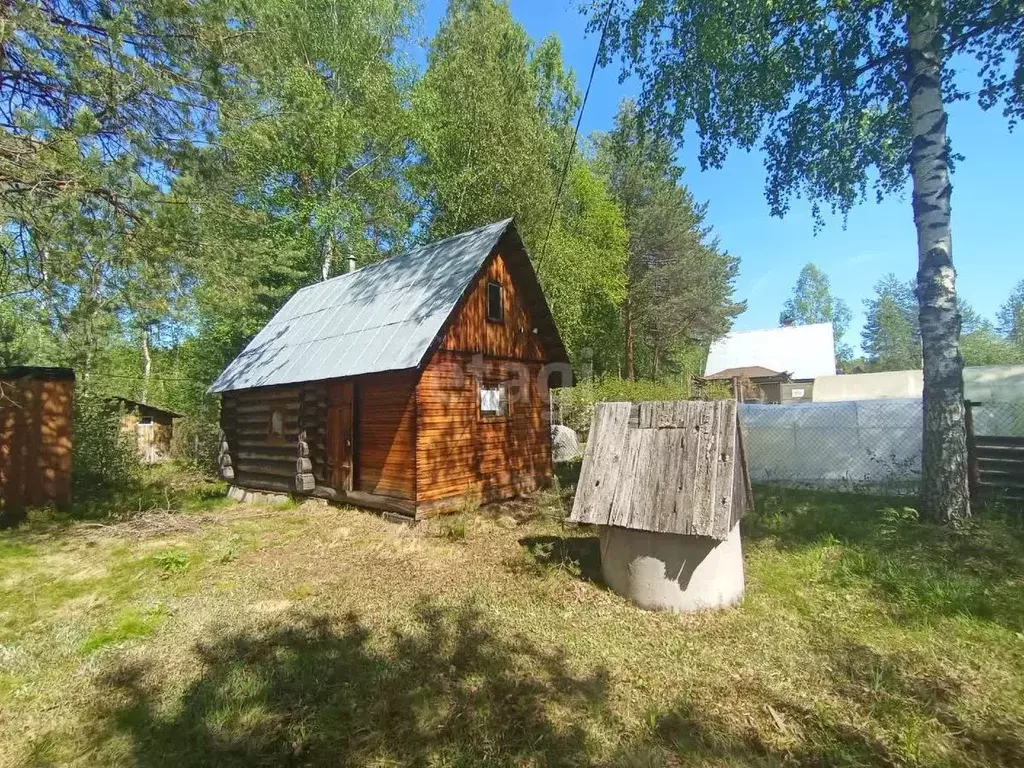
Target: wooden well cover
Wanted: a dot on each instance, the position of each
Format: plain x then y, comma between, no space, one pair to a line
668,467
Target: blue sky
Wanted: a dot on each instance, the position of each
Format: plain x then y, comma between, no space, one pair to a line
988,216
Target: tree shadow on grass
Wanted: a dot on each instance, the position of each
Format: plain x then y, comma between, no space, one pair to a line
903,685
684,735
914,705
923,570
445,690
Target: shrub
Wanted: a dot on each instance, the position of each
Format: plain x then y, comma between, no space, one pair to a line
574,406
103,457
196,442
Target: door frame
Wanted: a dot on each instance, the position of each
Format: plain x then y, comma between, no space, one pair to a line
340,435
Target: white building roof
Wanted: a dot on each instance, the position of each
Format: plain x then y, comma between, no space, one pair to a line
805,351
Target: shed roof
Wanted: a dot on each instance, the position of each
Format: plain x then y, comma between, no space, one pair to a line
805,351
148,406
383,317
748,372
36,372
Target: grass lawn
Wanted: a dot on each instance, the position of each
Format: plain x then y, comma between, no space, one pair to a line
222,634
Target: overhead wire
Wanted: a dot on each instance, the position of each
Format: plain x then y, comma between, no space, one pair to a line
575,134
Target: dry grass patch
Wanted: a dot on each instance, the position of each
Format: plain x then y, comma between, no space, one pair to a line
323,635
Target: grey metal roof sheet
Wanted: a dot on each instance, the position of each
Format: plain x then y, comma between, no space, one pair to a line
382,317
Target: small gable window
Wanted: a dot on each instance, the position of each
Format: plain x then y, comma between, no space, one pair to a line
493,400
495,307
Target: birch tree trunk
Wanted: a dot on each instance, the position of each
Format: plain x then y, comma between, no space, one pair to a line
147,363
327,257
944,493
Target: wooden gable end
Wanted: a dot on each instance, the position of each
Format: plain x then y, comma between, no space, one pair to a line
525,332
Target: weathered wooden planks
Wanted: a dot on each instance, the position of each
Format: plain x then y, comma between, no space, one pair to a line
669,467
599,475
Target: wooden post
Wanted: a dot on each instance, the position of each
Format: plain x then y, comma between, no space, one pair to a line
737,389
973,470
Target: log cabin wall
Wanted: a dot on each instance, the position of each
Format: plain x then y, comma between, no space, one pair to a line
263,449
385,434
463,454
262,429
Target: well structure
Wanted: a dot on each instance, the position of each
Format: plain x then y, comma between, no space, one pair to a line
667,483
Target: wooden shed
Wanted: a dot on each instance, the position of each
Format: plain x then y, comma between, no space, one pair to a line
415,385
36,416
152,427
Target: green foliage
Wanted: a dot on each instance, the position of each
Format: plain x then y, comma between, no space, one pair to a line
980,344
891,338
131,624
812,302
679,284
574,406
1011,316
454,529
103,456
483,114
183,168
821,86
491,115
172,562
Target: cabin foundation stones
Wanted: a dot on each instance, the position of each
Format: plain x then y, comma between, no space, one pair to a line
667,482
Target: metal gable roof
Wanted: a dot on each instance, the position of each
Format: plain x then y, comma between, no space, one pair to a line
382,317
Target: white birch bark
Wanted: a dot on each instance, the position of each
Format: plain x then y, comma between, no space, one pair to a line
328,257
944,490
147,363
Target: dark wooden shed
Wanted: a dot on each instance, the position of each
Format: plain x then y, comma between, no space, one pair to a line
415,385
36,416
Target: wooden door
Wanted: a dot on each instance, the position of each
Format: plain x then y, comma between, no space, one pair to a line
340,457
144,434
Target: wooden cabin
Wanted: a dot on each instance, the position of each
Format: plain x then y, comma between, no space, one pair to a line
415,385
152,428
36,417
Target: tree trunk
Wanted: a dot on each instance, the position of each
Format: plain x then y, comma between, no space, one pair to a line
630,340
328,256
944,492
147,363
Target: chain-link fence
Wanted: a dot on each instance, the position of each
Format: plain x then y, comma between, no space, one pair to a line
999,419
867,444
863,445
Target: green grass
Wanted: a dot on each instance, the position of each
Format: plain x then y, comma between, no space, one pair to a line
320,635
130,624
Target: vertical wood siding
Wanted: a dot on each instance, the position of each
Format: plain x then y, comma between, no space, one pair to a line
386,434
461,453
470,330
35,442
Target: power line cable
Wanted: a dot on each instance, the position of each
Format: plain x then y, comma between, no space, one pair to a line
575,133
